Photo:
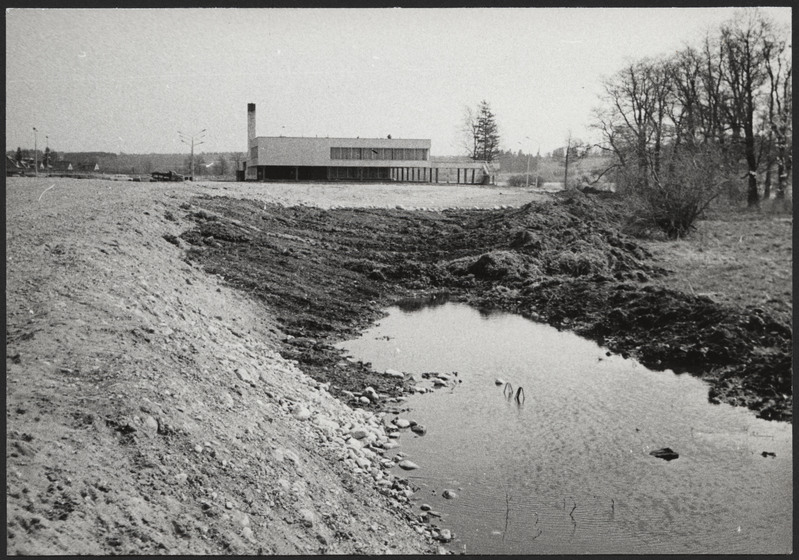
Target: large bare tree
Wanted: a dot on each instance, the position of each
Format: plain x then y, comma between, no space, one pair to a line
779,115
744,74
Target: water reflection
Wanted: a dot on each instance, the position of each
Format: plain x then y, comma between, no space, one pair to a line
409,305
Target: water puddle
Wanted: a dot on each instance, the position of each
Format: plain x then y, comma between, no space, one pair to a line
567,468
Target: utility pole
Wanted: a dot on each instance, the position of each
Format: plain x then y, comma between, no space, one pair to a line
537,163
527,182
566,172
527,175
190,140
35,151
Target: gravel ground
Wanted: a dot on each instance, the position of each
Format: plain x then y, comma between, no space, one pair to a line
380,195
147,409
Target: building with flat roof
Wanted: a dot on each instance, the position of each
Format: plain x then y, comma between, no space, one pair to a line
282,158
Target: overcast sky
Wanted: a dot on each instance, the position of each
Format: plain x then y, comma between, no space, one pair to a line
128,80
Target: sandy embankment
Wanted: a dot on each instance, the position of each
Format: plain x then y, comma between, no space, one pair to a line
147,410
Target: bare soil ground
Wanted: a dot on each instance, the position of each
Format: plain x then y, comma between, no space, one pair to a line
171,375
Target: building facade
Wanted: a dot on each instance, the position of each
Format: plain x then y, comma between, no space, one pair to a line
281,158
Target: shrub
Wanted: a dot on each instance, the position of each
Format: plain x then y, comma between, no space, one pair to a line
674,196
521,180
517,181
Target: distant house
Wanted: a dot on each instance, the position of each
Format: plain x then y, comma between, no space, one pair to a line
13,168
63,166
88,166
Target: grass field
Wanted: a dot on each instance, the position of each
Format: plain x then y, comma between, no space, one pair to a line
738,258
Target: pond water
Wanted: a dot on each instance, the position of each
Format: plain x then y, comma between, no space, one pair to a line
569,470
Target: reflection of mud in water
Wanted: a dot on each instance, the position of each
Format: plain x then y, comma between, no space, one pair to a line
415,304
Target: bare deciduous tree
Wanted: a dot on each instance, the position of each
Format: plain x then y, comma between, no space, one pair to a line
779,116
744,73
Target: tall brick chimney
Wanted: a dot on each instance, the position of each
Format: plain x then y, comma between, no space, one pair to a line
250,124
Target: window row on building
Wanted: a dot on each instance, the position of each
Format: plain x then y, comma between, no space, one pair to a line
401,154
360,173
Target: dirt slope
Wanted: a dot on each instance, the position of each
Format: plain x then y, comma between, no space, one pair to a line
147,410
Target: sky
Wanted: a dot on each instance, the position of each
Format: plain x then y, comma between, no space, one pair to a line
127,80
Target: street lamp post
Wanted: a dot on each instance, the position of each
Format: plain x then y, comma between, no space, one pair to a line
191,140
35,151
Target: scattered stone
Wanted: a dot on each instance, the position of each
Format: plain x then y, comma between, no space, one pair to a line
364,400
301,413
499,381
425,507
150,423
198,448
433,513
326,424
665,453
419,429
445,535
394,373
408,465
181,478
228,505
246,376
449,494
25,448
768,454
307,517
359,433
401,423
291,456
227,400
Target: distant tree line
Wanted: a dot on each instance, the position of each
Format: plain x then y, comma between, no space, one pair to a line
684,128
216,164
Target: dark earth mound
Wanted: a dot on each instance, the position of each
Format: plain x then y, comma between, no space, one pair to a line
326,274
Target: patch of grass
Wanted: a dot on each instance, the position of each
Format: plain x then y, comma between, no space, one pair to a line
743,259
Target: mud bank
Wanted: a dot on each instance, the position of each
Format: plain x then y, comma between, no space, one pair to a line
325,274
